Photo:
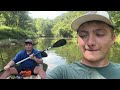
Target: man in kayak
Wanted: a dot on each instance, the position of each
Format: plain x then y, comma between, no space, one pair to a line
34,63
96,36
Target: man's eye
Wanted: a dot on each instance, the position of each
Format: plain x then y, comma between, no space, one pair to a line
83,36
99,35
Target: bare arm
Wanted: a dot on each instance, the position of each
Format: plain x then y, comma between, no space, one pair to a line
39,61
11,63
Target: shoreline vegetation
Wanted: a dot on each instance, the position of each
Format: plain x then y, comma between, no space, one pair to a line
118,39
16,26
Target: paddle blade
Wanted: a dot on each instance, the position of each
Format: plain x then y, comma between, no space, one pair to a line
43,54
59,43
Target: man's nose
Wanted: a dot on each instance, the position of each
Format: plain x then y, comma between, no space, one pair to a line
91,40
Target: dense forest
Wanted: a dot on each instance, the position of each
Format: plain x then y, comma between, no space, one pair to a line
19,25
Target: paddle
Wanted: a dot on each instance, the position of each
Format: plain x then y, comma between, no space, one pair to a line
59,43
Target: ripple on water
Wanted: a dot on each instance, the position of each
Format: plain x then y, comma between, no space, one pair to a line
53,60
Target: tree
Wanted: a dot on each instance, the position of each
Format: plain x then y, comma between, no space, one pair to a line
115,17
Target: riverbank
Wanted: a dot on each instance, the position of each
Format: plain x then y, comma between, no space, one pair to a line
15,33
10,42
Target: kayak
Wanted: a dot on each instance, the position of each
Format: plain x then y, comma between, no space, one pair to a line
28,77
37,76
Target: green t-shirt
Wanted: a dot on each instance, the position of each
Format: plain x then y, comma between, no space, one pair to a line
79,71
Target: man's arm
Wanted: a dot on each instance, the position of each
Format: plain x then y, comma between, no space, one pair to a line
39,61
11,63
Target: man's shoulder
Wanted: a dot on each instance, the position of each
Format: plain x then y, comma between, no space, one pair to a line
115,64
63,66
72,70
20,52
35,50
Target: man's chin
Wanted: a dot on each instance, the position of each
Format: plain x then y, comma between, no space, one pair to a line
28,50
91,58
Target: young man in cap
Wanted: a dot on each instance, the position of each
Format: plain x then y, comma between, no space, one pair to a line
33,63
95,38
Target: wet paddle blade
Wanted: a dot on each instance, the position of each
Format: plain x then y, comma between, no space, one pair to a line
59,43
43,54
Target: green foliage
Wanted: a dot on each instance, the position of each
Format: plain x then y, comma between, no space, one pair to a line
115,17
62,26
18,24
114,54
19,19
13,33
5,27
44,27
118,40
67,51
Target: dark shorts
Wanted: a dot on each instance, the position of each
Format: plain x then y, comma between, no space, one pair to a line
19,69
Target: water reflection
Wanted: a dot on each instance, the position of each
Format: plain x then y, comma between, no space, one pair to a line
7,53
53,60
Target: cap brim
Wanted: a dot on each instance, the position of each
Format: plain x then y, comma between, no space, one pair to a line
29,42
80,20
